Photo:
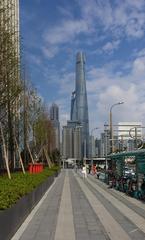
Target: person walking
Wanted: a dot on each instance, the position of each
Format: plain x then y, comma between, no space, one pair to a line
89,169
84,171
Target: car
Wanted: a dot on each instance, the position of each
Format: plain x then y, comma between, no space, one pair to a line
128,172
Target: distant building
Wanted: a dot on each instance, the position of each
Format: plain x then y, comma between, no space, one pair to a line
77,139
130,144
54,112
92,147
128,132
71,141
105,143
98,147
124,128
54,117
67,142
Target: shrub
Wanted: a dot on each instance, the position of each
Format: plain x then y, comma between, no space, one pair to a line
12,190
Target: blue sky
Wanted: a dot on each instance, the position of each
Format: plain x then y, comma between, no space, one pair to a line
112,35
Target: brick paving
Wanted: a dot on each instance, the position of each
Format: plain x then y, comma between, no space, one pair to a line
84,209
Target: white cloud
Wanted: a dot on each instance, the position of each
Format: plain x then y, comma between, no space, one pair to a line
109,47
139,67
50,52
98,20
141,53
131,110
65,31
135,27
35,59
124,18
138,4
106,87
67,83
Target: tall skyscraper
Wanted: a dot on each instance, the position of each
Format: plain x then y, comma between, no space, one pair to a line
10,72
54,117
79,104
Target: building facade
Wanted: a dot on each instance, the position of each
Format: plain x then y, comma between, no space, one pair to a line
104,143
67,142
54,117
71,141
77,143
10,72
92,148
128,133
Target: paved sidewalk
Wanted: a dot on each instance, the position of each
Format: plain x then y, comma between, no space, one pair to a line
84,209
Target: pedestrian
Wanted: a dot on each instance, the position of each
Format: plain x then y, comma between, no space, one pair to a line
84,171
89,168
98,174
94,169
76,168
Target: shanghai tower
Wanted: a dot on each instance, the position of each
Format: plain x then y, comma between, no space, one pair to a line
79,104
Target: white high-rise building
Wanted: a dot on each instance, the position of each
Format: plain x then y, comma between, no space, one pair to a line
128,133
125,129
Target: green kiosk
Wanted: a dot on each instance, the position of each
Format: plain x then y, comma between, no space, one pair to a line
118,166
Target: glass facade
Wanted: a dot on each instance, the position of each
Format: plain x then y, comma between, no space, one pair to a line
79,104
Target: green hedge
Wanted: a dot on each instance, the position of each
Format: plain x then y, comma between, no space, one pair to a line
20,185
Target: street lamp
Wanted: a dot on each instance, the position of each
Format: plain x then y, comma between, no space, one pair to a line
111,126
92,144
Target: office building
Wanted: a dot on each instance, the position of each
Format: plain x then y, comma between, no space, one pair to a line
54,117
67,142
77,143
105,143
79,104
98,147
92,151
71,141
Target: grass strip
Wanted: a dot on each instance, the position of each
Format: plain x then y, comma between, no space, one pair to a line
12,190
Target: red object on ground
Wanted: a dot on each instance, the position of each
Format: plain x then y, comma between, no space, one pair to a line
35,168
31,168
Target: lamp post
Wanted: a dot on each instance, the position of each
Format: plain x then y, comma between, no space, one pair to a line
92,144
111,126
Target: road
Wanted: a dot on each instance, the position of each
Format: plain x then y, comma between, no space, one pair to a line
84,209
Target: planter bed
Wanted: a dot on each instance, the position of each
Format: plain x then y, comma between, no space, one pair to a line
11,218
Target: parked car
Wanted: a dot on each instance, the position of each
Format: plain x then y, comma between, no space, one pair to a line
129,172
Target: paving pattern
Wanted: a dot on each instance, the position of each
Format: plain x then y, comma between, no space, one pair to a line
85,209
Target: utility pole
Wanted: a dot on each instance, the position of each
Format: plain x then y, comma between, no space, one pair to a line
135,137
